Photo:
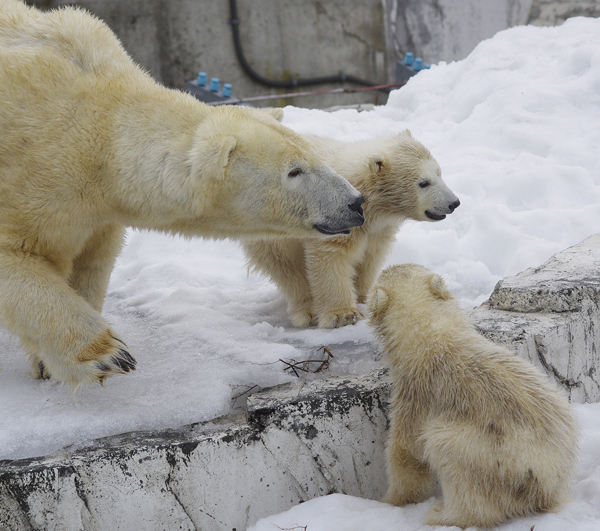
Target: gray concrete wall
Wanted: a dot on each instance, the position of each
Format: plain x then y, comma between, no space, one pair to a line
555,12
283,39
448,30
174,39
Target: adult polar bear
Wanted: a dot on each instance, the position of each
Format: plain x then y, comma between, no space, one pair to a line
89,144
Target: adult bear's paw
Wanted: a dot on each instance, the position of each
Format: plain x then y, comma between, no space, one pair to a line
120,362
105,356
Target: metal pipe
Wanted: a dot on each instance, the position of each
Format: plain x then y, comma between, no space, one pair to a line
234,101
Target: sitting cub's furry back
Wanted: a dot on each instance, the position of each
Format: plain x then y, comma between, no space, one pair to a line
500,438
324,279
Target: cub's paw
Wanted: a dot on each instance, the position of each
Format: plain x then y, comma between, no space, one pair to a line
435,514
300,313
340,318
303,319
38,370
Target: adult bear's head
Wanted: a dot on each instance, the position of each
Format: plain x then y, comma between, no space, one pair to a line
256,177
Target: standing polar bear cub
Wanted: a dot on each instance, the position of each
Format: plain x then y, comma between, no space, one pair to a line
90,144
324,280
501,440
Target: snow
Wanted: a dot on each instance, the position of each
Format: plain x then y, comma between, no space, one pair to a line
338,512
515,128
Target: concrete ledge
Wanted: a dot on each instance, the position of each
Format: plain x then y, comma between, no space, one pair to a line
294,442
298,443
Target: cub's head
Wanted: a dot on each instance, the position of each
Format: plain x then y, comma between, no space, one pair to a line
265,179
409,181
406,290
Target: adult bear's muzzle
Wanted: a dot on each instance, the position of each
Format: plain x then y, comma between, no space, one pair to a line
355,218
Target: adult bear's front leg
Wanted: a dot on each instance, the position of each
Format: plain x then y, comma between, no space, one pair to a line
94,264
65,337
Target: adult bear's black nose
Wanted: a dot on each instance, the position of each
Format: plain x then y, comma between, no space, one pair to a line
454,206
356,206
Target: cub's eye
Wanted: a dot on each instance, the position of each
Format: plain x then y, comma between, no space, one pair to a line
424,184
295,172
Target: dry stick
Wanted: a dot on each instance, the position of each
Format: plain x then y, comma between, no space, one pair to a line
244,392
304,366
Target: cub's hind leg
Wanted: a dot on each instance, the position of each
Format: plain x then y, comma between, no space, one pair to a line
410,479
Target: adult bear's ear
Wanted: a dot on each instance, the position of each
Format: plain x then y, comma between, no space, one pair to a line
276,113
378,301
438,288
377,164
210,157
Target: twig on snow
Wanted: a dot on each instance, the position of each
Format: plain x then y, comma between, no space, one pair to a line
306,365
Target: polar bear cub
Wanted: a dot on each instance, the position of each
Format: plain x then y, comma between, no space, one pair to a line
500,438
90,144
324,280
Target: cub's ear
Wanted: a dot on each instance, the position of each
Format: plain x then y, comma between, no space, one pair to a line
378,300
377,164
406,132
276,113
210,157
438,288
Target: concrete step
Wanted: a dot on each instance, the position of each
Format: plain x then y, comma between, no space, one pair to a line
550,315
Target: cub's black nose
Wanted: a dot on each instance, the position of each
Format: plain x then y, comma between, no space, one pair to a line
356,206
454,206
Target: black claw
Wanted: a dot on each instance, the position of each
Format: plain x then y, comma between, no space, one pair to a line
122,364
44,374
128,357
119,340
102,367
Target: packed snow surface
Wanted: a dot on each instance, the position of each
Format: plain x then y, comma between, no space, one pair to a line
515,128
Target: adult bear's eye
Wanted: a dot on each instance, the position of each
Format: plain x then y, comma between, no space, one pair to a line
424,184
295,172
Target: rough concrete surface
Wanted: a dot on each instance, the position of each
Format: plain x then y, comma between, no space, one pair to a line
550,315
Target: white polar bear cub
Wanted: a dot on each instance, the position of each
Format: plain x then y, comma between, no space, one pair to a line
90,144
324,280
500,438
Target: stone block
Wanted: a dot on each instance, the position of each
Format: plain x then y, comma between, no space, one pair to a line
550,315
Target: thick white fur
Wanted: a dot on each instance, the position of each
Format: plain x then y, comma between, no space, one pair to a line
499,437
324,279
89,144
